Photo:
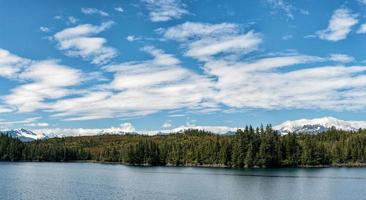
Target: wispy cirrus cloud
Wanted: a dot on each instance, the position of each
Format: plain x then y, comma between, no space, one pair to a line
44,29
203,40
161,81
339,26
362,2
207,47
342,58
80,41
5,109
362,29
281,6
119,9
192,30
132,38
271,82
93,11
165,10
265,87
7,123
39,124
71,20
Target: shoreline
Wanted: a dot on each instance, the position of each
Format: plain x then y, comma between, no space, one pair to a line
345,165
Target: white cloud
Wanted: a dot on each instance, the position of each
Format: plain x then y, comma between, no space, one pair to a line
304,12
80,41
340,25
271,83
139,88
44,29
11,64
119,9
343,58
72,20
362,1
51,73
287,37
204,40
167,125
362,29
127,127
7,124
92,11
310,36
281,7
45,80
40,124
4,109
229,44
165,10
192,30
132,38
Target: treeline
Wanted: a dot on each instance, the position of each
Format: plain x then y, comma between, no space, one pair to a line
259,147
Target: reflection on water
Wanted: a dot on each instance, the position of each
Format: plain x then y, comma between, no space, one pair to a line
102,181
260,175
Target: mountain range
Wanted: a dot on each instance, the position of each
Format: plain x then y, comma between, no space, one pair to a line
24,135
310,126
318,125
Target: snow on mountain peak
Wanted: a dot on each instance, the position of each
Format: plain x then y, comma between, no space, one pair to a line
23,134
319,125
180,129
297,126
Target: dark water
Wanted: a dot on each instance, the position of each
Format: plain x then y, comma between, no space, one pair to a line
103,181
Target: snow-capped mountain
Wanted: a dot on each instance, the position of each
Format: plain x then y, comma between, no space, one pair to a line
311,126
23,134
127,128
319,125
212,129
70,132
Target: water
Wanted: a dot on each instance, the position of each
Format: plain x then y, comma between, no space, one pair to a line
104,181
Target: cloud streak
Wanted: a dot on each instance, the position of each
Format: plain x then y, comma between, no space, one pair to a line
165,10
161,81
203,40
93,11
326,87
281,6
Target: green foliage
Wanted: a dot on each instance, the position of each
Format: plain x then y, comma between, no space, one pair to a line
260,147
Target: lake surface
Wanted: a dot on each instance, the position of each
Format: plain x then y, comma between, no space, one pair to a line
107,181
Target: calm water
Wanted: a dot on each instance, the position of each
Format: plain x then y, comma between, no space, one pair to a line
103,181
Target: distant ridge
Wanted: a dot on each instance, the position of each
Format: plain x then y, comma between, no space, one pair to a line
319,125
24,135
310,126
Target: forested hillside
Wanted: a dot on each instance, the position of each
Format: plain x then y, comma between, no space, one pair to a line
260,147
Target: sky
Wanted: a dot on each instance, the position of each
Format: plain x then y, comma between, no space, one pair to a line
161,64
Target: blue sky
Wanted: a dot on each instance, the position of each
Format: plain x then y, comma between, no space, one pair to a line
162,64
